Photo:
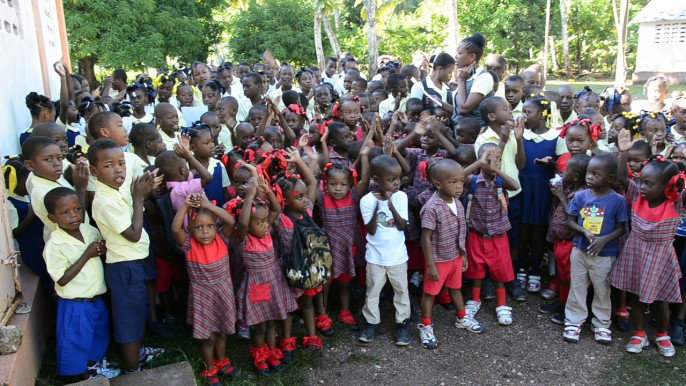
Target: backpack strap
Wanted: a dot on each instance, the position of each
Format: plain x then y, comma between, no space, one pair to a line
470,197
501,193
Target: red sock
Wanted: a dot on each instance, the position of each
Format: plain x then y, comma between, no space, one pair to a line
622,311
461,313
564,292
663,343
476,294
500,295
426,321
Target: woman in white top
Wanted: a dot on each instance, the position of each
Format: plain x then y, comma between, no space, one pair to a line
474,83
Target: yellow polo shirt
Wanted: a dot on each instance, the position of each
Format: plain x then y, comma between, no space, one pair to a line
517,111
113,212
39,188
62,251
509,166
278,93
389,104
225,136
134,168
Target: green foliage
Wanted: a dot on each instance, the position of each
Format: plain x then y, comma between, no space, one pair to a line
134,34
282,26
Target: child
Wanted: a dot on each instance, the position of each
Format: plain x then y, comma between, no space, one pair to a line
138,96
167,120
322,97
211,119
42,110
561,235
211,92
256,115
245,134
164,84
339,137
397,85
121,223
174,167
263,295
211,307
467,130
514,90
252,83
185,95
486,214
679,115
597,215
542,147
202,146
653,127
648,266
147,142
68,113
226,110
567,112
586,100
348,112
580,136
385,214
445,259
73,256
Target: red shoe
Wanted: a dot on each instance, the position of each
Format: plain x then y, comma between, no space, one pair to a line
287,347
211,378
325,325
225,368
274,360
313,342
346,317
260,356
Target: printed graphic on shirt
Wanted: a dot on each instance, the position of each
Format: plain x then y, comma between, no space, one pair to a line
384,220
593,219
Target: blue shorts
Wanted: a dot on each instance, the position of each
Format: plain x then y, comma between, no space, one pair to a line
514,214
150,266
130,304
83,333
682,265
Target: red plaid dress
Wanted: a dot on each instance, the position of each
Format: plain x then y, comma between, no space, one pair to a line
419,185
338,159
339,222
263,294
211,306
648,265
558,230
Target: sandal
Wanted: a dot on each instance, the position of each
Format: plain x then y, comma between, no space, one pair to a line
504,314
225,368
211,377
148,354
572,332
260,356
665,351
313,342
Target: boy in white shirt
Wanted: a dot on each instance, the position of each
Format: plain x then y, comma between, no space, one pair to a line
385,214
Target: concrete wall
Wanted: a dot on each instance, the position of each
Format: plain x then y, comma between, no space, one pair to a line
661,51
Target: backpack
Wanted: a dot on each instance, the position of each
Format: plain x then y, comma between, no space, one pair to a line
309,263
472,189
425,99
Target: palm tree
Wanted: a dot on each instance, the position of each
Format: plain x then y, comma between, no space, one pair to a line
565,41
322,10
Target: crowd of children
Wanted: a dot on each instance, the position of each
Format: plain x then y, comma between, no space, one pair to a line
455,191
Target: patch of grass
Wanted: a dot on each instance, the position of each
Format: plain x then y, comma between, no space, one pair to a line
647,368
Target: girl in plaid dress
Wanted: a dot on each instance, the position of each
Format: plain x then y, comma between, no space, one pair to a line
339,204
211,307
263,296
647,265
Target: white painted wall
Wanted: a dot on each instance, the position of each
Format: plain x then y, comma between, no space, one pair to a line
656,55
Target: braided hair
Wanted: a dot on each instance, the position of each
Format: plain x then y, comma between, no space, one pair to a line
475,45
672,174
235,206
338,168
37,103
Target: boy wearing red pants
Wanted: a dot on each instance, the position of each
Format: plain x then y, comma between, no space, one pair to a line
443,235
486,214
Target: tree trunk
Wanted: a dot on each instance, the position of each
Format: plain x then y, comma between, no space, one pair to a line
553,55
565,41
337,18
545,40
370,7
453,37
332,36
319,49
87,70
620,26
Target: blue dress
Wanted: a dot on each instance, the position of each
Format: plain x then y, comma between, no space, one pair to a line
31,244
536,197
214,190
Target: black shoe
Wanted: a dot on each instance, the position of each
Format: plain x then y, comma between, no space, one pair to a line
159,329
516,291
402,333
367,334
552,308
558,319
676,332
414,318
487,290
449,306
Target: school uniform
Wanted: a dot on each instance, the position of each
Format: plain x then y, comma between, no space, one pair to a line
244,106
38,187
415,158
517,111
71,131
487,245
562,237
389,105
83,323
30,246
338,159
224,137
447,221
168,141
147,118
125,273
220,181
278,94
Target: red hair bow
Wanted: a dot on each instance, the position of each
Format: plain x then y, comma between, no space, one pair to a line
595,131
672,190
336,111
250,155
231,207
279,194
354,173
322,127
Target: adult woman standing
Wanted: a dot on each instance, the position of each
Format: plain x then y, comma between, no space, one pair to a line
474,83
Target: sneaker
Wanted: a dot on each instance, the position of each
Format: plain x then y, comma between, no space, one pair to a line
416,279
516,291
558,319
636,344
552,308
676,332
521,279
168,319
548,294
487,290
149,354
402,333
367,334
623,321
572,332
534,284
504,314
101,371
472,307
426,335
470,324
159,329
603,335
666,351
243,331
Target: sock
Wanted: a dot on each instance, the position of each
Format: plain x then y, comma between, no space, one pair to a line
476,294
426,321
564,292
500,296
461,313
640,334
663,343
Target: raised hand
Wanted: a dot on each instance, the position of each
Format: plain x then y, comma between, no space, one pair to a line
624,142
292,153
262,184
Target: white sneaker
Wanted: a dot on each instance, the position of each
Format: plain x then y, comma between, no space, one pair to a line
636,344
103,371
426,334
665,351
416,279
603,335
534,284
470,324
522,279
504,314
572,332
472,307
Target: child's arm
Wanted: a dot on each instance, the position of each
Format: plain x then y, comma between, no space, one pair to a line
95,249
482,161
107,85
400,222
599,242
266,121
326,158
183,152
65,86
520,158
305,173
142,187
390,148
371,226
246,211
431,270
25,223
274,207
574,225
229,222
288,134
508,182
559,194
177,224
417,132
80,178
445,143
624,144
363,182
